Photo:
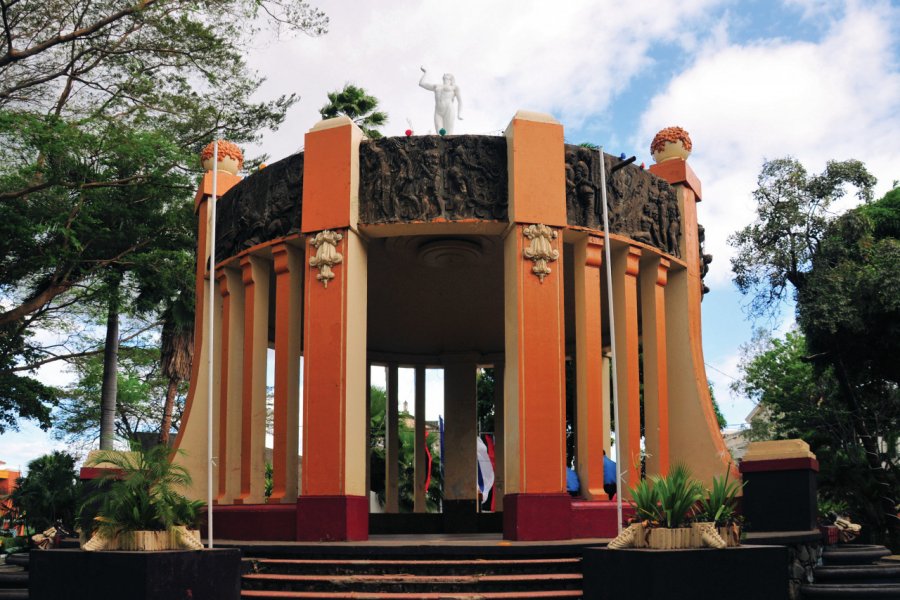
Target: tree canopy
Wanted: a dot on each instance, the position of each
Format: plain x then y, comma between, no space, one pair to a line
356,103
835,382
104,106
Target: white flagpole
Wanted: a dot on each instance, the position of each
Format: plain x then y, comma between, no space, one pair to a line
612,340
210,349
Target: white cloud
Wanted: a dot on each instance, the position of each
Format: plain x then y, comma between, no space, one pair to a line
838,98
569,59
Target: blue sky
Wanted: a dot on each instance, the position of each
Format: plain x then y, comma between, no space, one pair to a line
750,80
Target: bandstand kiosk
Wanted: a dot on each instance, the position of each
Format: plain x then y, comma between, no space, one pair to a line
454,252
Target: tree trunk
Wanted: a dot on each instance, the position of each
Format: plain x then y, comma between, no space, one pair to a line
110,388
167,410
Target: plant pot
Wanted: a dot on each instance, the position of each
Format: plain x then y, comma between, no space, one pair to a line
179,538
663,538
705,535
633,536
731,534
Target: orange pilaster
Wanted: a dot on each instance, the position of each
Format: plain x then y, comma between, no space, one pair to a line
288,263
255,277
334,501
536,506
654,276
625,268
589,366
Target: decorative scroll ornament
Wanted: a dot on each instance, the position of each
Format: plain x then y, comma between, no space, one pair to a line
540,252
327,255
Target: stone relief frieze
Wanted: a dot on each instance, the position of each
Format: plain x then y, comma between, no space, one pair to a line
425,178
640,205
264,206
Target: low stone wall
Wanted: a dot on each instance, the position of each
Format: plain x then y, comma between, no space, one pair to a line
802,559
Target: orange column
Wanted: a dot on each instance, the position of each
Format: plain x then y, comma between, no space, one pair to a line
334,504
255,275
288,263
625,267
589,366
536,505
231,287
654,276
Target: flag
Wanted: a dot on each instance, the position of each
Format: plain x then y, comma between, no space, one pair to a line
485,470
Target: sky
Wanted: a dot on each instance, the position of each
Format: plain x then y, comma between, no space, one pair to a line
750,80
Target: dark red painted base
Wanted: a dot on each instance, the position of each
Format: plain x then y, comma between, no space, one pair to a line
268,522
332,518
532,517
597,519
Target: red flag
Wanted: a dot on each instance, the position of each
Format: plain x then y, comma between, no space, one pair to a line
428,471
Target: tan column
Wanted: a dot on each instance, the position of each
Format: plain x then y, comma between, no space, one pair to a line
628,430
499,460
694,436
289,271
656,377
421,459
255,275
392,443
334,503
192,434
368,430
589,367
231,288
460,476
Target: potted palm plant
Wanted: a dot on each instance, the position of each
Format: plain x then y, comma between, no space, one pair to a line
665,507
140,507
719,507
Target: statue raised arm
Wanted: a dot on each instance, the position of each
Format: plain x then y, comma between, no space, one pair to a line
445,112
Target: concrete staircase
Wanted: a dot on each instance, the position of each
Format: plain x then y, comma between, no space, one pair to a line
854,571
14,577
463,573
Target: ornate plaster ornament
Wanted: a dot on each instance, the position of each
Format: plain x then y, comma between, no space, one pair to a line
325,243
539,251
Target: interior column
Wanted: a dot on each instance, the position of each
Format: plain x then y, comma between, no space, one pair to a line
460,463
656,378
231,288
392,443
421,459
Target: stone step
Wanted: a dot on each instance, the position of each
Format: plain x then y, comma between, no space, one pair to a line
274,595
883,572
843,591
853,554
402,583
413,567
14,579
20,594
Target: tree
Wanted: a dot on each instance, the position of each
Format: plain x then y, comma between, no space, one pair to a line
103,107
48,493
844,271
792,212
355,103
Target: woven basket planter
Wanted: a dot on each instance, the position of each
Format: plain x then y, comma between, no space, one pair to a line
663,538
179,538
731,534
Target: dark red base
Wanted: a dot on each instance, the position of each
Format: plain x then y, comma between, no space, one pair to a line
332,518
267,522
597,519
533,517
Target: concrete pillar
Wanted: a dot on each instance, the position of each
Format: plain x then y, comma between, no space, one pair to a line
255,276
421,459
625,267
607,408
536,505
289,271
334,504
589,367
392,443
653,278
231,288
460,462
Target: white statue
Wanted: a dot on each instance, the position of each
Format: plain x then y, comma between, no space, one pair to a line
445,114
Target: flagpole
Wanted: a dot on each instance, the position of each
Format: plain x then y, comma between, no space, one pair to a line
210,352
612,339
